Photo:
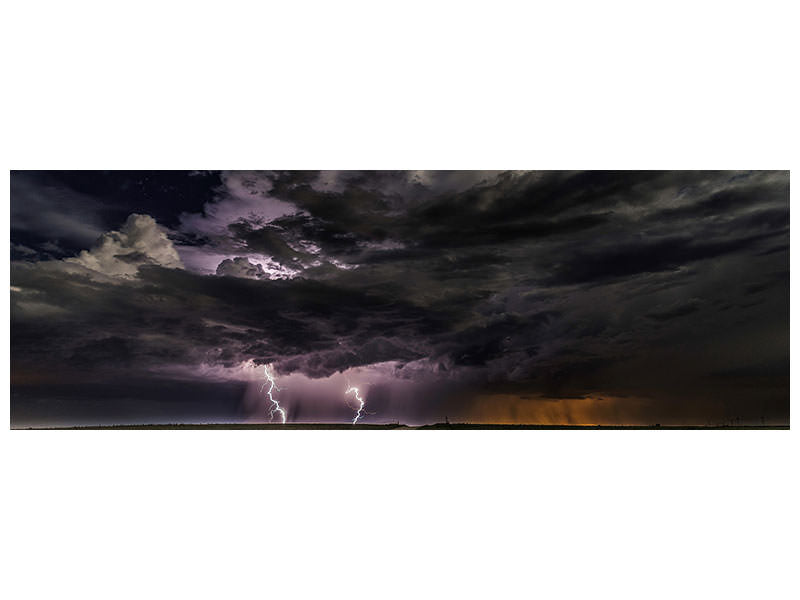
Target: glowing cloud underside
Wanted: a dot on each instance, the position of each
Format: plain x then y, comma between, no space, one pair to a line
275,406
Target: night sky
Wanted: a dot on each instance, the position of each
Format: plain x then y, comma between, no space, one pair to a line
485,297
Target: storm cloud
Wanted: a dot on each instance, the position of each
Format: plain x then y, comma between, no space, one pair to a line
662,294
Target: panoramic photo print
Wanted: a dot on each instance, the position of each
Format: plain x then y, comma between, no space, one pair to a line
399,299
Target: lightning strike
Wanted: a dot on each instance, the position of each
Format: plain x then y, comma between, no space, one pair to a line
354,390
276,407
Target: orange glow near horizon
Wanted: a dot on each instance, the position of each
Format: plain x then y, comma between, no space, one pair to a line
593,409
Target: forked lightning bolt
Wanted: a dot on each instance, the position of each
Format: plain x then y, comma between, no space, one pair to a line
354,391
276,407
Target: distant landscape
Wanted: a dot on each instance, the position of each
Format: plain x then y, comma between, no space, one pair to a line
380,427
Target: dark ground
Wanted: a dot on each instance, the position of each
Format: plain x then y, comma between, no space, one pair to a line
345,426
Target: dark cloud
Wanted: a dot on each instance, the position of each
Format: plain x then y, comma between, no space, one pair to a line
44,213
639,285
241,267
679,310
163,195
645,256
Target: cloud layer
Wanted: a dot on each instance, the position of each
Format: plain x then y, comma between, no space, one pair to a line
668,288
140,241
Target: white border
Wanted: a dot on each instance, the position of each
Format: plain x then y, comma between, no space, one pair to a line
406,85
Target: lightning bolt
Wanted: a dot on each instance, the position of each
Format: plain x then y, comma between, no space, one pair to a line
354,390
276,407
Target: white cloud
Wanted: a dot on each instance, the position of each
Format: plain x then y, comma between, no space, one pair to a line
243,196
240,267
265,268
140,241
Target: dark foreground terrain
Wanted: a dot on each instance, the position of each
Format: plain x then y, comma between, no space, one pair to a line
347,426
